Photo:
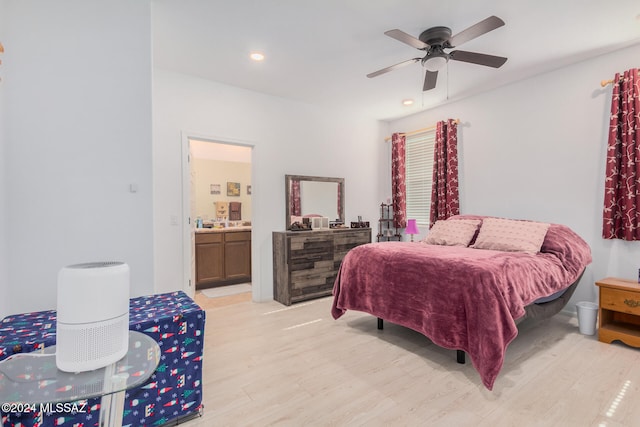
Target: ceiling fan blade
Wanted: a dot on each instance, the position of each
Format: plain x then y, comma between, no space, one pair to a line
403,37
482,27
393,67
430,79
478,58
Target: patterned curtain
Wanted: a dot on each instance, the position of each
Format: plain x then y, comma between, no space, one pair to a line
445,200
621,187
398,186
295,198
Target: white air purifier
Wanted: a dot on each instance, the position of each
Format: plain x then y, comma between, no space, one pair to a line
92,329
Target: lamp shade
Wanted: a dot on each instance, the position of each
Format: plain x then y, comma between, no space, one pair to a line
412,228
435,63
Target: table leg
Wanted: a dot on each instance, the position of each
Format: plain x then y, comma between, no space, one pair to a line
112,404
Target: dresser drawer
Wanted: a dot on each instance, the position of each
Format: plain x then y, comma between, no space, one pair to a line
620,300
310,250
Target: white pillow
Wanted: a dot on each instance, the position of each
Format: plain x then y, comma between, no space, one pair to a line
457,232
511,235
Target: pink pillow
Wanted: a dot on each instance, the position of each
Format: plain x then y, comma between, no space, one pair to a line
511,235
452,233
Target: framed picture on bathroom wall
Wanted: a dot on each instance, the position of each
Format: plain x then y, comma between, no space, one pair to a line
233,189
215,189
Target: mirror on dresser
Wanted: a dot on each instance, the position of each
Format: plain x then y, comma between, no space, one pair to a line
314,196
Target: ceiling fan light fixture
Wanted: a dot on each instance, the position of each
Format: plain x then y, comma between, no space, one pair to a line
257,56
435,63
407,102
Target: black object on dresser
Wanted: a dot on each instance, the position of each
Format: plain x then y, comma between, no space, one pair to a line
305,263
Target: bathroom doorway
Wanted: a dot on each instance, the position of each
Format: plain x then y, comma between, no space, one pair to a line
218,203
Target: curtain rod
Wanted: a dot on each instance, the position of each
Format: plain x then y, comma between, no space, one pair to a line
604,83
413,132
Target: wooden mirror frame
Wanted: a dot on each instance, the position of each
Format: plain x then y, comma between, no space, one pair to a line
289,178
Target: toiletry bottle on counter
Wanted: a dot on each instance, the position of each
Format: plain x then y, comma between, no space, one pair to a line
199,222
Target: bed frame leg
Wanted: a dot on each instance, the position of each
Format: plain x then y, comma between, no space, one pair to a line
460,356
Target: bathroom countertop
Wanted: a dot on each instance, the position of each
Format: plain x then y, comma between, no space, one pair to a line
220,230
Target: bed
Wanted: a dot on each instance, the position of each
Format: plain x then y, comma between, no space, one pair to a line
468,290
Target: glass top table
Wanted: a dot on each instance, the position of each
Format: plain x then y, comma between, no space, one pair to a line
33,378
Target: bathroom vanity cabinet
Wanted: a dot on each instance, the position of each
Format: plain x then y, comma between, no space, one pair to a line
222,257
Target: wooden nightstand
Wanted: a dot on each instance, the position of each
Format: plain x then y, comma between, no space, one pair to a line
619,311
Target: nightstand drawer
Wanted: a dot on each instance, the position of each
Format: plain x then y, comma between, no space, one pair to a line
619,300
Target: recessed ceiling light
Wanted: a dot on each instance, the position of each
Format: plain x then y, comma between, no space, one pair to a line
257,56
407,102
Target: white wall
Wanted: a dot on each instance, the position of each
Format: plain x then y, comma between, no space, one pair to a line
77,132
4,274
536,150
288,138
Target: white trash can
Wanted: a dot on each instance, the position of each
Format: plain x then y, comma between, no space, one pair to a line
587,317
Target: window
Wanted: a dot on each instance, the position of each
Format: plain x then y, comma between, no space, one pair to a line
419,175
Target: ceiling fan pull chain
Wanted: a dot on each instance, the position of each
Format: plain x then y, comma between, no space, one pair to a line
447,80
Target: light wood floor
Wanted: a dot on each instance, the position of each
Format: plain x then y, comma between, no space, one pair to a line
206,303
266,364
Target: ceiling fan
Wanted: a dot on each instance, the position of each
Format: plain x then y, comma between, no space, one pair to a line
435,40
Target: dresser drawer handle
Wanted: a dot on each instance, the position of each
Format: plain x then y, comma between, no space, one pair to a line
632,303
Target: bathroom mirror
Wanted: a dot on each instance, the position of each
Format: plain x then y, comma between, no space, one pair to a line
308,196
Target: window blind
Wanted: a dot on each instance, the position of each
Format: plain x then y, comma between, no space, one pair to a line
419,175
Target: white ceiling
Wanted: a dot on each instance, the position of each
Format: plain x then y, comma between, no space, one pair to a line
319,52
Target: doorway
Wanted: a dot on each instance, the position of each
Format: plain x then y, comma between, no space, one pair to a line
217,173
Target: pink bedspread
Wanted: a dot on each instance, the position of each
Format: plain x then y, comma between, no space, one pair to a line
460,298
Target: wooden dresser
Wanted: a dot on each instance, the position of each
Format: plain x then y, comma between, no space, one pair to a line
305,263
619,311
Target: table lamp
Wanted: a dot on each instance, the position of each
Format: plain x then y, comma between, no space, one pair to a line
412,228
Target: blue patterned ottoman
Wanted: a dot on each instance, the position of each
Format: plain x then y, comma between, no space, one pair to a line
172,393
